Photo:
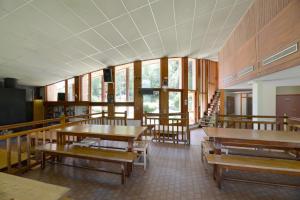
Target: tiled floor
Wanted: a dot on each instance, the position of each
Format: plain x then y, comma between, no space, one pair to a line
175,172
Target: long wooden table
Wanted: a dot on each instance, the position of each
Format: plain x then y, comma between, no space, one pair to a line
18,188
254,138
104,132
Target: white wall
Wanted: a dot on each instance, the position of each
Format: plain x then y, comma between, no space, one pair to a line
264,98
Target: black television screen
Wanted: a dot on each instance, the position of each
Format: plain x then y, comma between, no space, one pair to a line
107,74
12,106
61,97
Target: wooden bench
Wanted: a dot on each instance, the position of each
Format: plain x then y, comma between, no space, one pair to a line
243,163
124,158
206,148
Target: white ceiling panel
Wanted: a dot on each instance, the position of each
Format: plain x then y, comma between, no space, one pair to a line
164,13
169,40
144,20
126,26
204,6
184,10
87,11
224,3
184,35
140,46
61,14
45,41
110,34
111,8
94,39
127,51
134,4
10,5
219,17
154,41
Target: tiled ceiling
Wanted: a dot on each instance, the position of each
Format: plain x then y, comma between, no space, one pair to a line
44,41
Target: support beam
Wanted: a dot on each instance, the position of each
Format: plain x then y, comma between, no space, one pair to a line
138,98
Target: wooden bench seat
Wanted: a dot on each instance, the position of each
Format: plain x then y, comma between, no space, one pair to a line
124,158
206,148
258,164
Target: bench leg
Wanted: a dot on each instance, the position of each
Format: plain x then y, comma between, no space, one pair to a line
219,176
123,174
145,159
43,160
202,152
215,172
129,169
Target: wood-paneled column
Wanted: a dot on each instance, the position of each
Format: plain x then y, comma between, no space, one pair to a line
111,92
138,98
77,88
197,93
164,94
185,85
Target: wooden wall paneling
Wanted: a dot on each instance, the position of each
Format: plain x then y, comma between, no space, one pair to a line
268,27
285,27
138,98
77,90
66,90
111,92
197,93
185,85
163,94
222,102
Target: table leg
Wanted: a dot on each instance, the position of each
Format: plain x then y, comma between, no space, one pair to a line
130,145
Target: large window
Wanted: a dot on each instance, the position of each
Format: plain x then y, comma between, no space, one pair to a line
99,88
54,89
129,109
174,102
191,107
151,103
192,74
85,87
71,89
174,73
98,109
124,83
151,74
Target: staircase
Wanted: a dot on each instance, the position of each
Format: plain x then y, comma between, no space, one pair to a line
213,108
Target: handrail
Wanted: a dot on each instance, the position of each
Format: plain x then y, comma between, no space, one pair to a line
253,116
40,122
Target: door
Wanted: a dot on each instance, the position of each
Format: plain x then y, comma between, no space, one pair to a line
230,105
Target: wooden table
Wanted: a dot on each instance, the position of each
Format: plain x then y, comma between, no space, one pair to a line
18,188
254,138
104,132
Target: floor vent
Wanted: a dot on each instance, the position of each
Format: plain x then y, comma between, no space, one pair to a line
245,71
228,79
288,51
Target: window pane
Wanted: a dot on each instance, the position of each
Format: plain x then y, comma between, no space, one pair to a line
151,74
54,89
98,109
96,86
71,91
85,87
151,103
191,107
192,74
124,83
129,109
174,73
174,102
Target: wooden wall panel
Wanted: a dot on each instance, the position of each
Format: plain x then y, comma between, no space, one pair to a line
138,98
185,85
164,95
268,27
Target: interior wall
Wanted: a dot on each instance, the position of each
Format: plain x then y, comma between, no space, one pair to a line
286,90
268,27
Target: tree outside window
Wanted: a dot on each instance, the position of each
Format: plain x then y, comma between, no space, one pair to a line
151,74
124,83
174,73
54,89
